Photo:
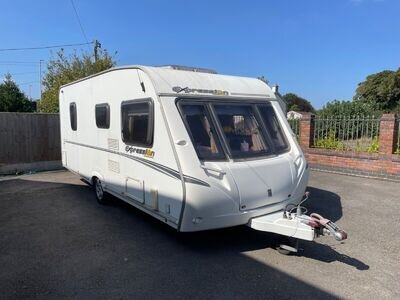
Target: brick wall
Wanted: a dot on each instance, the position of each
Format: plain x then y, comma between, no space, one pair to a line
384,164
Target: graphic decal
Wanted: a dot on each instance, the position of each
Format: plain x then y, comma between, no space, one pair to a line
156,166
145,152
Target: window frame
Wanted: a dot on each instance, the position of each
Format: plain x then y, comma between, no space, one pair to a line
150,132
276,151
270,151
210,102
74,125
219,144
107,106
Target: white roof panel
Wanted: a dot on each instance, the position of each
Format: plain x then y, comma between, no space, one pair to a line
166,79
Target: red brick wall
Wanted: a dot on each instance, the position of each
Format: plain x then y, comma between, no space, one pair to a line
384,164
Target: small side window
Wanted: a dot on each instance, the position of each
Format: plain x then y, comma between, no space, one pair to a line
137,122
72,116
103,115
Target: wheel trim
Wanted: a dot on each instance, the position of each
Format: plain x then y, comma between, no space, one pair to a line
99,190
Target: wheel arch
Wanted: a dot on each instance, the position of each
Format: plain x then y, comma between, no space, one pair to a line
96,175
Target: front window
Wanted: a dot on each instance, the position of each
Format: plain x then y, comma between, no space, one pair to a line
241,130
202,132
273,127
236,129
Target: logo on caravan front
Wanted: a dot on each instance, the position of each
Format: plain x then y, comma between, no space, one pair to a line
187,90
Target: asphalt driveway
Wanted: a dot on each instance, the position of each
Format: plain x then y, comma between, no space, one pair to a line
57,242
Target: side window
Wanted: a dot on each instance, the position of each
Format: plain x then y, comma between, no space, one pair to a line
137,122
72,116
103,115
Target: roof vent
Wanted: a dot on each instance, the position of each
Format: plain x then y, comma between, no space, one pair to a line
190,69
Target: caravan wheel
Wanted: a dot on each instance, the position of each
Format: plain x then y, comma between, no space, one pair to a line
101,195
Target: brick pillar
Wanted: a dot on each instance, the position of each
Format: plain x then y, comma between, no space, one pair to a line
307,131
387,134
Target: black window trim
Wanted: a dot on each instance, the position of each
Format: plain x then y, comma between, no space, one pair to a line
209,102
105,104
151,121
76,116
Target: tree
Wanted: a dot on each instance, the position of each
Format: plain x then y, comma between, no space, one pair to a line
348,108
297,103
382,90
12,99
64,69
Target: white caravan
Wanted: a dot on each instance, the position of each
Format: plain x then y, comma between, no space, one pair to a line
195,149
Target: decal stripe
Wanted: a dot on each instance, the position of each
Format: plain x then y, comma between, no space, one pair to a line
156,166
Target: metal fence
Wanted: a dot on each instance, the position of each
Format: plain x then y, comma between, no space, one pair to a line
349,133
295,125
397,146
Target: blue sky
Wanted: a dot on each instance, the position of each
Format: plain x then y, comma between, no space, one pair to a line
319,49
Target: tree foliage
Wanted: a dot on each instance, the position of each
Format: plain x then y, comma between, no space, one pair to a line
63,69
381,90
297,103
12,99
348,108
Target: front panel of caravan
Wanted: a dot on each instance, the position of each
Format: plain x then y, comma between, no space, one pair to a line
234,190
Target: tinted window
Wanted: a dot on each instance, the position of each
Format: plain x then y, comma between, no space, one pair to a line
72,116
241,129
137,122
201,131
103,115
273,127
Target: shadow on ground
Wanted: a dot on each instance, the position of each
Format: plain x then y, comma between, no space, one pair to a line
56,241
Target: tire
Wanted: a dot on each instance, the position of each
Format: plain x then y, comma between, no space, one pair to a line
291,242
101,196
283,251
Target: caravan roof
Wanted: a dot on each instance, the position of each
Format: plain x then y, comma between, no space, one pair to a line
172,81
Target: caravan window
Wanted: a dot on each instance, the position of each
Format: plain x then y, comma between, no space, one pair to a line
137,122
202,132
72,116
102,112
241,129
273,128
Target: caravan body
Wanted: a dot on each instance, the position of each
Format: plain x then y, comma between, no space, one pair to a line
194,149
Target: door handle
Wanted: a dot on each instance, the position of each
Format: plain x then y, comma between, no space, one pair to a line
213,169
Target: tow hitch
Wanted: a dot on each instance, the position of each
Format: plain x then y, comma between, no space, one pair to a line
294,223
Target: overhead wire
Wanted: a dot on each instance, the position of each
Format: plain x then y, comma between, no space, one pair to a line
44,47
19,62
79,21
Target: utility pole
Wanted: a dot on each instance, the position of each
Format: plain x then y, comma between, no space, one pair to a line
97,46
40,79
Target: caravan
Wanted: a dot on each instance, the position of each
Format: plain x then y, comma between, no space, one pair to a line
195,149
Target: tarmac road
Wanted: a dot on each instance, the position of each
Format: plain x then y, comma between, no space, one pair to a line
57,242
